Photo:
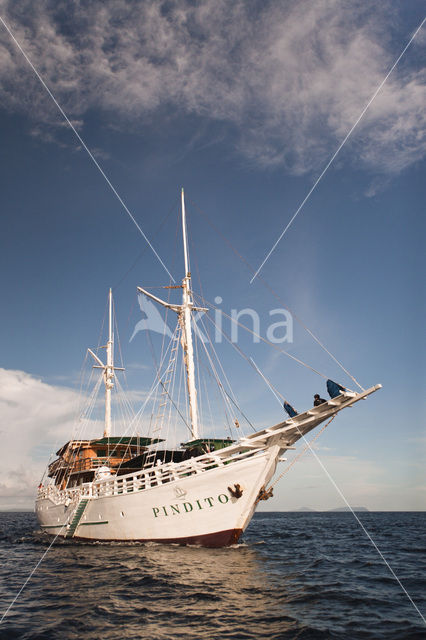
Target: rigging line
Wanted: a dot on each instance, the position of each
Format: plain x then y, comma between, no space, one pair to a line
125,406
34,570
204,326
80,139
118,417
175,338
169,293
221,398
101,330
137,415
176,407
297,458
180,376
317,340
308,446
339,491
237,348
78,409
172,417
213,350
208,399
213,368
269,288
158,373
270,385
116,333
85,410
162,354
195,328
185,393
339,148
81,381
219,384
81,426
199,396
218,359
163,340
271,344
244,416
140,412
274,391
163,222
220,364
81,430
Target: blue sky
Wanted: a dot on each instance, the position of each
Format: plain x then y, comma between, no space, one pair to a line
243,104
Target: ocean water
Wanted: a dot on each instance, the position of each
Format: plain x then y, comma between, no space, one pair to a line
295,575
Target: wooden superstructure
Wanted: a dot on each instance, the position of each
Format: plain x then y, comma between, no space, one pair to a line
79,460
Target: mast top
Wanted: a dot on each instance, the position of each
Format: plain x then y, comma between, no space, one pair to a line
184,233
107,367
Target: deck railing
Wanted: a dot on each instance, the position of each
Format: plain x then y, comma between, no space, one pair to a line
143,480
59,496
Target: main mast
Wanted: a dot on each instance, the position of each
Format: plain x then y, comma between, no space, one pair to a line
109,370
185,320
184,312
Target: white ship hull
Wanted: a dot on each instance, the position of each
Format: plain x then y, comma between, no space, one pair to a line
197,509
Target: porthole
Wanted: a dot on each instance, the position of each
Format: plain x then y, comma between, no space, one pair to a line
122,514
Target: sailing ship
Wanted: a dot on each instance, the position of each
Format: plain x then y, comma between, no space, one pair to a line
135,488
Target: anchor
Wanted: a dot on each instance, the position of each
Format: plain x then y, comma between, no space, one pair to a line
236,492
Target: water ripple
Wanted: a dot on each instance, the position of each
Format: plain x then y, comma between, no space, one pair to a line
294,577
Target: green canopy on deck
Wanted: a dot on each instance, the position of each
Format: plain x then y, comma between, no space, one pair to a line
127,440
212,443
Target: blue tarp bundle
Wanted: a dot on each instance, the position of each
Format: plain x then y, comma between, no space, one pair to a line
290,410
334,389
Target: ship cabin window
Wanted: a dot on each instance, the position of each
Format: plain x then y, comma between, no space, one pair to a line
101,453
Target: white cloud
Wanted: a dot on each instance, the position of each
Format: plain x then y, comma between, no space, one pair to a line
36,419
287,79
33,413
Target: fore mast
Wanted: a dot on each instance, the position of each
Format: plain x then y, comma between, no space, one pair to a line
108,368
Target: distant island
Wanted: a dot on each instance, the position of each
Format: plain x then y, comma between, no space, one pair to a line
347,509
308,509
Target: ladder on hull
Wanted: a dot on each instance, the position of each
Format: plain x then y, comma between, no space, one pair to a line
77,517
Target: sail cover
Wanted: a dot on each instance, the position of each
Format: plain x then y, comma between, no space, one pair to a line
334,389
290,410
